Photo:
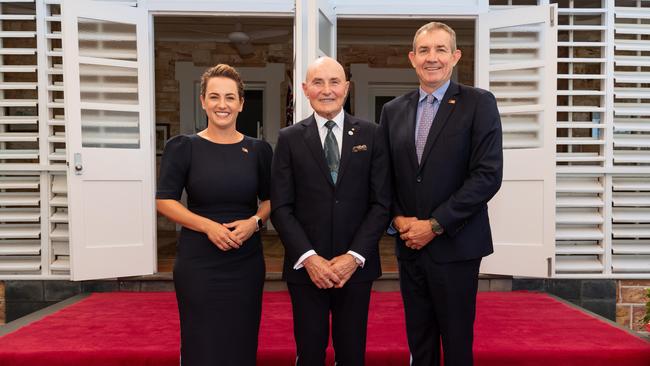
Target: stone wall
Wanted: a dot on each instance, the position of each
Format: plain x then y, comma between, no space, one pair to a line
2,303
630,303
597,296
25,297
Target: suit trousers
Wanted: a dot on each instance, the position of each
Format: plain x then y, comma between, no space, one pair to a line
440,307
311,322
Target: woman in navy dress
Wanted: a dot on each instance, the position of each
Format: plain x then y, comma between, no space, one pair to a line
219,267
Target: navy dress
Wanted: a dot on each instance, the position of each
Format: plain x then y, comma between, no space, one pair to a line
219,292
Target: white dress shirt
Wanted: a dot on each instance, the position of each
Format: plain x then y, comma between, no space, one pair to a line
338,133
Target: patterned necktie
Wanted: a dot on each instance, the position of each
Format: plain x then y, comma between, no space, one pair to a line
331,147
426,119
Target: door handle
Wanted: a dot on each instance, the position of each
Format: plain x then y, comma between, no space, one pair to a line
78,166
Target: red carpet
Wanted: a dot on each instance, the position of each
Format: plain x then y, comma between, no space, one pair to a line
513,328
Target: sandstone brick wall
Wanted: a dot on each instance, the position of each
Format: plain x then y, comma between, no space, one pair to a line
2,303
630,303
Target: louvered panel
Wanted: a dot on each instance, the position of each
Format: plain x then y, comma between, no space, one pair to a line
579,233
633,28
20,214
631,224
59,184
575,232
20,218
20,228
108,84
631,215
578,264
60,248
632,61
19,199
631,263
60,215
59,232
56,105
59,242
19,248
514,76
629,124
59,201
18,88
579,216
632,76
634,247
20,231
20,265
627,184
632,231
581,85
633,199
61,264
579,184
578,248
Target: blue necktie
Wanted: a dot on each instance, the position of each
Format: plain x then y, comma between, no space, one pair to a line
426,120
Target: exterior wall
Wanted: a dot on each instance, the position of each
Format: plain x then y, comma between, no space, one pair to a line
2,303
630,303
597,296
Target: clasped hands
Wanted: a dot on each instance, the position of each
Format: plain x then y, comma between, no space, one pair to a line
231,235
333,273
415,233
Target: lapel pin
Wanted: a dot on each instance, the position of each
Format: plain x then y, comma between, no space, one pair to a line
244,150
452,101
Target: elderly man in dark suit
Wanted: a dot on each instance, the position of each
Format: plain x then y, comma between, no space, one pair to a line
330,198
445,145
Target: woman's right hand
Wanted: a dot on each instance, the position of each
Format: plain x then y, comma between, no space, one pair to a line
222,237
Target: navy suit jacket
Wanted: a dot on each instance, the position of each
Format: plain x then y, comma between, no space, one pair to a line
460,171
309,211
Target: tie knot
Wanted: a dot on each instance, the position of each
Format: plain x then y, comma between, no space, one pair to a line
330,124
430,98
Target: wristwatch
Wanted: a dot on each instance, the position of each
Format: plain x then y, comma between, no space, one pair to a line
258,222
436,227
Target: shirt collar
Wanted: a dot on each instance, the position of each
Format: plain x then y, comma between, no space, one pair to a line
338,119
438,93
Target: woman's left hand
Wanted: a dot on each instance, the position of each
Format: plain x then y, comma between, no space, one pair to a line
243,229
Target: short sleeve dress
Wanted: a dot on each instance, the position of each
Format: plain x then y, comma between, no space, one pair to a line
219,293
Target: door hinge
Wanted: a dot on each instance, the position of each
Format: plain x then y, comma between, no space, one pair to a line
552,16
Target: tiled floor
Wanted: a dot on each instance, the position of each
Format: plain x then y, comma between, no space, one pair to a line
273,252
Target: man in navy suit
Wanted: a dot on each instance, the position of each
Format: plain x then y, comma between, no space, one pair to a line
330,200
445,145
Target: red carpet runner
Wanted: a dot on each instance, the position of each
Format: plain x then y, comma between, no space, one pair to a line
513,328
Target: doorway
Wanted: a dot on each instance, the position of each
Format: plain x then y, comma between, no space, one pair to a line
260,48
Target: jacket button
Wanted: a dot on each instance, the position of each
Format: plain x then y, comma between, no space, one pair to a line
418,179
337,201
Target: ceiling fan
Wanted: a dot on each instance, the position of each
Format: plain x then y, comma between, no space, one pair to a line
241,40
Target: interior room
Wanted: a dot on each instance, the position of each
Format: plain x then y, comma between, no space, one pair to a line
372,51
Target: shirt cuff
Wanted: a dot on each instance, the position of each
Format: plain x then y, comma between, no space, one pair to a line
391,229
358,257
302,258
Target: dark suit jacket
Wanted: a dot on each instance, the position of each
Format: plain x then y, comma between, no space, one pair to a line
460,171
310,212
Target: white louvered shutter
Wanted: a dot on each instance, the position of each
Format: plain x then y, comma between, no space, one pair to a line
109,108
516,55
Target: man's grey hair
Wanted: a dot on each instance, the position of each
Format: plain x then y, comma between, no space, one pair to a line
434,26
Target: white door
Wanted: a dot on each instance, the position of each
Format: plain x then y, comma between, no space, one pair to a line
516,60
108,100
314,36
